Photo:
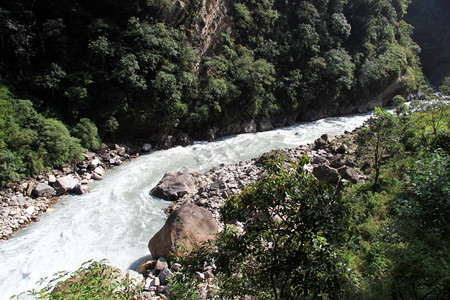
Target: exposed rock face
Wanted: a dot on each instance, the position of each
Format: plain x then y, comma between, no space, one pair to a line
176,184
187,226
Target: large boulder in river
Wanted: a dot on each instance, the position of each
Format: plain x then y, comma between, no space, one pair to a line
187,226
176,184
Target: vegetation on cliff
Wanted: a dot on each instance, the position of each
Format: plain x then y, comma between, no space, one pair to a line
136,68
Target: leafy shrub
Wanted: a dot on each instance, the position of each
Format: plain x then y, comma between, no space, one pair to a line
87,133
60,147
93,280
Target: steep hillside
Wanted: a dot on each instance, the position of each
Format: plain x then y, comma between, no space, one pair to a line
138,68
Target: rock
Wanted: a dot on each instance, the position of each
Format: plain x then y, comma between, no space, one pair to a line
120,150
51,179
211,134
349,174
326,173
342,149
183,139
165,141
161,263
44,190
81,189
99,171
187,226
175,267
134,277
94,163
95,176
264,124
30,189
64,184
200,276
146,147
145,266
164,276
321,142
18,200
175,185
250,126
30,210
155,282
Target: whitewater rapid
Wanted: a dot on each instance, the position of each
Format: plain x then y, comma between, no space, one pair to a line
116,220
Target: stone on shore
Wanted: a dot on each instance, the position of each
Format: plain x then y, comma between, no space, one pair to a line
175,185
187,226
326,173
65,184
44,190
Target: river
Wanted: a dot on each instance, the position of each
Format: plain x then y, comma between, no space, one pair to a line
116,220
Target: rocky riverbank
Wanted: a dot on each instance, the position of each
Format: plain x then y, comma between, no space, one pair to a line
331,160
23,202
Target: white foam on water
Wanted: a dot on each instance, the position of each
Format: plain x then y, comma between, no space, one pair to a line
117,219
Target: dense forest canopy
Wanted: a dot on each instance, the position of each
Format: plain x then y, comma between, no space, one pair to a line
142,66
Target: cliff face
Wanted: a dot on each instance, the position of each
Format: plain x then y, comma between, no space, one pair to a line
213,20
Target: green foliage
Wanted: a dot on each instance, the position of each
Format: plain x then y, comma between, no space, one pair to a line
149,66
293,231
60,147
377,139
30,143
445,86
87,133
93,280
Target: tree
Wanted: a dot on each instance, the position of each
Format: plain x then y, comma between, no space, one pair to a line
87,133
59,145
377,138
445,86
293,226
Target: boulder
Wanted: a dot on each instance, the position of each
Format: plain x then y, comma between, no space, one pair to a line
99,171
264,124
183,139
120,150
164,276
95,176
321,142
165,141
187,226
146,266
65,184
161,263
326,173
51,179
349,174
146,147
94,163
44,190
18,200
175,185
81,189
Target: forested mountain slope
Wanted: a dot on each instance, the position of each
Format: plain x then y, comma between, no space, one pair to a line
431,21
141,67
